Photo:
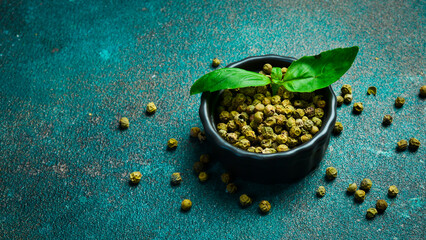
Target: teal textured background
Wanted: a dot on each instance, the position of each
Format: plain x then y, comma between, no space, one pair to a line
70,69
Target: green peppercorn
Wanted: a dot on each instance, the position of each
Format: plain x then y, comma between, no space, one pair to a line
387,120
314,130
258,150
215,62
202,176
250,109
231,188
358,107
359,196
278,129
186,205
339,101
308,124
270,121
269,110
223,133
276,99
306,137
292,142
219,126
422,91
286,102
264,206
135,177
258,117
321,103
259,96
319,112
259,107
269,150
282,148
232,137
194,131
393,191
251,149
321,191
198,167
172,143
283,70
151,108
366,184
295,131
381,205
225,177
298,103
331,173
338,128
281,138
267,68
299,113
414,144
402,145
371,213
124,123
267,101
244,144
250,135
226,101
176,179
317,121
224,116
232,126
351,188
346,89
347,98
399,102
268,132
309,112
245,200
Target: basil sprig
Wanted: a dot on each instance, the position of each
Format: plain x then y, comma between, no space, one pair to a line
307,74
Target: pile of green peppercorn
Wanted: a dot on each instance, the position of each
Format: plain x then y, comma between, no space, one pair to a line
254,120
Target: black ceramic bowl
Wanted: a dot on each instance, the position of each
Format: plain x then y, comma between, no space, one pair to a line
267,168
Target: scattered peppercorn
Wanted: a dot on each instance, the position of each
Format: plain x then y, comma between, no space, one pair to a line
372,90
198,167
124,123
371,213
339,101
225,177
359,196
172,143
387,120
186,205
393,191
399,102
351,188
151,108
338,128
358,107
267,68
205,159
402,145
347,99
176,179
331,173
346,89
215,62
422,91
135,177
366,184
264,206
414,144
201,136
321,191
194,132
245,201
231,188
381,205
202,176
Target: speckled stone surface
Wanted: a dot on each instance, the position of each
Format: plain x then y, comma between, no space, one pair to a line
70,69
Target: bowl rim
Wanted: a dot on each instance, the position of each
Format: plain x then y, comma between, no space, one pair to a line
318,138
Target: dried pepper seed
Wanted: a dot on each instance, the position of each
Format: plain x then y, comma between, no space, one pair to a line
215,62
194,132
264,206
399,102
203,176
338,128
422,92
186,205
366,184
414,144
331,173
393,191
387,120
346,89
351,188
372,90
245,201
225,177
371,213
231,188
358,107
172,143
359,196
282,148
205,159
381,205
267,68
124,123
339,101
135,177
151,108
402,145
321,191
347,98
201,136
176,179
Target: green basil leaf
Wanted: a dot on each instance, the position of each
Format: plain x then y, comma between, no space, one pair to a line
228,78
276,75
310,73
